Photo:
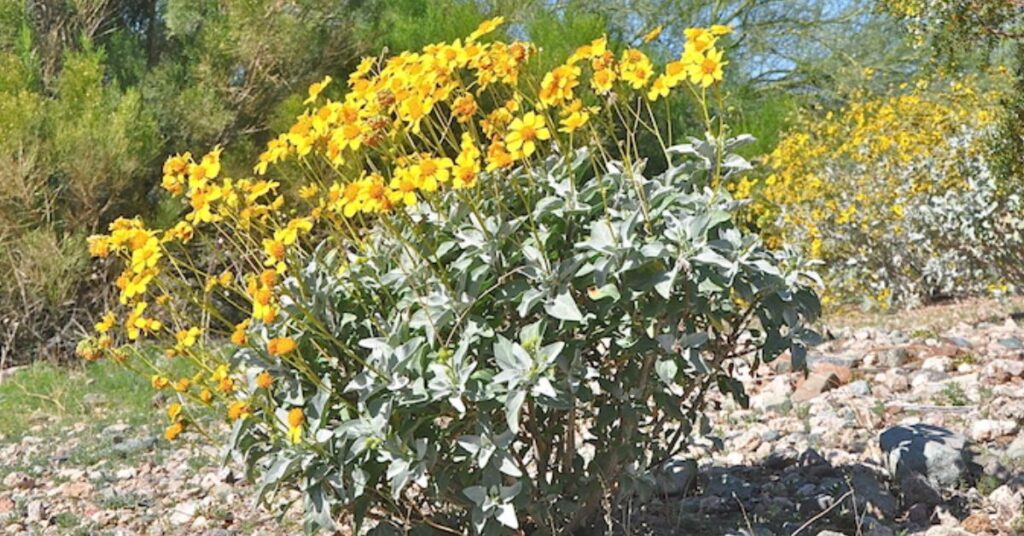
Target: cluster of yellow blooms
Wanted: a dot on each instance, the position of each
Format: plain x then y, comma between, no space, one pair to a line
860,170
408,126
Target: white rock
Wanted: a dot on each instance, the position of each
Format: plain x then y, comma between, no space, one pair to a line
989,429
183,513
937,363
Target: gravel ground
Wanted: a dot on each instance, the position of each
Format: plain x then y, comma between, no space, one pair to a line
946,384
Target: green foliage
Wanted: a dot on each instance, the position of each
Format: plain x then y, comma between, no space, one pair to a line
45,392
526,354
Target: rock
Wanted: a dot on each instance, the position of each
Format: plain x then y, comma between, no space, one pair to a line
814,385
774,395
780,459
35,512
1015,451
727,485
938,454
676,477
916,489
873,527
843,373
860,388
977,523
946,531
127,473
871,496
1007,501
18,480
989,429
1013,343
77,490
1003,369
920,514
830,533
183,513
960,342
938,364
134,445
895,357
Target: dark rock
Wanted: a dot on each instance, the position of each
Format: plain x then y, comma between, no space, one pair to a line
943,457
916,489
920,514
871,495
676,477
780,460
814,505
727,485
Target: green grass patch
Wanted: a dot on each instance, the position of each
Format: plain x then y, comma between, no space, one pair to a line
45,393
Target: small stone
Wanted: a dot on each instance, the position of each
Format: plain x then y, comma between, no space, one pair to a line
842,373
895,357
1015,451
774,395
860,388
77,490
814,385
183,513
18,480
989,429
35,511
127,473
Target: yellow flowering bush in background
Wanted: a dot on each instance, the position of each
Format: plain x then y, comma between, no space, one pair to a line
471,308
895,194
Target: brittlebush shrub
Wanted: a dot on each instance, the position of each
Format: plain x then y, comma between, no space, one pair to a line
474,310
896,195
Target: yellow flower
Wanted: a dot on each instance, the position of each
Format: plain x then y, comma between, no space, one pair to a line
264,380
558,85
186,338
316,88
106,323
173,431
158,381
174,411
206,396
485,28
575,119
238,410
295,420
182,385
708,70
635,68
653,34
279,346
698,40
524,133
